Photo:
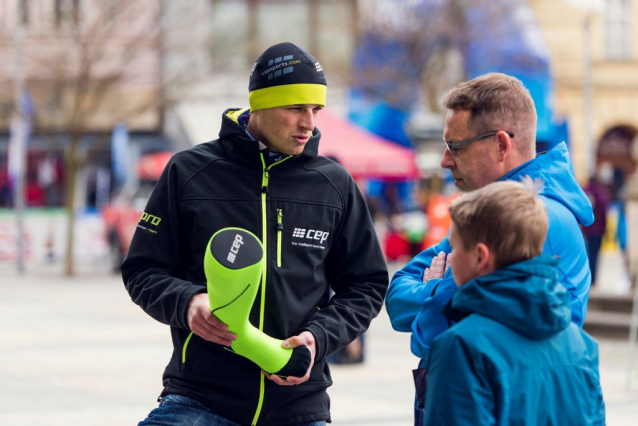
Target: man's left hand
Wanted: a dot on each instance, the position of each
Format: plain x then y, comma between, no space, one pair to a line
437,267
307,339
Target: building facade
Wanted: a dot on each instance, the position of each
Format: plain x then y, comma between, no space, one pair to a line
217,42
77,68
88,63
595,64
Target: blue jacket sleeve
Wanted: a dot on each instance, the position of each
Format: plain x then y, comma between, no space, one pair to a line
430,321
458,387
407,291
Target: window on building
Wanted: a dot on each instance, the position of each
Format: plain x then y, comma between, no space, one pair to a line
241,29
24,12
229,29
618,30
66,11
270,29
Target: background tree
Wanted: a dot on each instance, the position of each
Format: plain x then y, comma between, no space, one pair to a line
90,64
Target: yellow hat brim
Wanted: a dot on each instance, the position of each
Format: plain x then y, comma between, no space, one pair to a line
288,94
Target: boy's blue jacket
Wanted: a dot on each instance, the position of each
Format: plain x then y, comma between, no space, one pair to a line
417,307
517,358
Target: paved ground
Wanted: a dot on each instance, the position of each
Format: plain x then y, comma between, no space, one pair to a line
78,352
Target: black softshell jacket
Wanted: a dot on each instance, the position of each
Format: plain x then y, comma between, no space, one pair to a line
319,234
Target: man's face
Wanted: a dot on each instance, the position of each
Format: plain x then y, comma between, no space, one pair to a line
284,129
464,261
474,165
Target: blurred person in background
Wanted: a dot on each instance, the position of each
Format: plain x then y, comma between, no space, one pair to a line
264,175
5,190
599,196
512,317
622,230
396,245
490,135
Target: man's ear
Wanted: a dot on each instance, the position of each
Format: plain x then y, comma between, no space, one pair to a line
484,259
504,145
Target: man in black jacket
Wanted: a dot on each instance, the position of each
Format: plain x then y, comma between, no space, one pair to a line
264,175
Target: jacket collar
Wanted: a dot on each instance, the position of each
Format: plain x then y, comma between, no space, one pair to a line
554,168
525,296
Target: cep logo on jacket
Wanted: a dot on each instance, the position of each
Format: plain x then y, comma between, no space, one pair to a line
311,234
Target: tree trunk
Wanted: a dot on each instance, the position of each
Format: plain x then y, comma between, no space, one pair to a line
72,167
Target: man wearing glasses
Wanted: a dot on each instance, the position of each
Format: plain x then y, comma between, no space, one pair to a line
490,135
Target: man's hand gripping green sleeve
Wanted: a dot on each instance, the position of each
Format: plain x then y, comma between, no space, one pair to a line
233,265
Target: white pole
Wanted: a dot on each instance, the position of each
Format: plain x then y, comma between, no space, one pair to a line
590,7
588,96
633,336
19,202
632,220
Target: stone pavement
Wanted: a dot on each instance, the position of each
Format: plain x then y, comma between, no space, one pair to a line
79,352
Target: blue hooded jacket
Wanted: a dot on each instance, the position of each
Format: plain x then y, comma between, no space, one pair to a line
517,358
417,307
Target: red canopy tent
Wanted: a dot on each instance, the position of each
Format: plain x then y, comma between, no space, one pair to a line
362,153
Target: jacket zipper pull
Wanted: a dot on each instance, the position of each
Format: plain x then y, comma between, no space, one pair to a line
280,228
280,223
264,183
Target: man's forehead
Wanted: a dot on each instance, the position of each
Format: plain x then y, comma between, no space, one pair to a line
457,116
304,106
456,123
286,107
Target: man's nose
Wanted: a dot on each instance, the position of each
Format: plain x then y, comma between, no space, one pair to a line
307,120
447,162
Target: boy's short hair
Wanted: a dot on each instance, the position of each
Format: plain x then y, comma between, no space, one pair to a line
507,216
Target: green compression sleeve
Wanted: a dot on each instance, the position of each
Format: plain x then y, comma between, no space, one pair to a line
233,266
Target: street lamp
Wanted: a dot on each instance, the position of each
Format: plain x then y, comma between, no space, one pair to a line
590,7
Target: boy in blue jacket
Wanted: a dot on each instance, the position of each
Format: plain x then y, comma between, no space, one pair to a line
513,356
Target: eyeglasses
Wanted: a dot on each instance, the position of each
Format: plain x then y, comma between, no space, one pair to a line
453,146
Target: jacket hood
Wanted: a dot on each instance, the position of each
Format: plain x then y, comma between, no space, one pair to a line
525,297
234,135
555,169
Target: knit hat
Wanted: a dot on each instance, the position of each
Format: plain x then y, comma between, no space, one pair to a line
286,74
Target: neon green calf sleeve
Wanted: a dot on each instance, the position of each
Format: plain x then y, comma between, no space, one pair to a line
233,265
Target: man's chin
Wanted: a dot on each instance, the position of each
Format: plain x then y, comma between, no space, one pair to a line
293,152
463,186
296,150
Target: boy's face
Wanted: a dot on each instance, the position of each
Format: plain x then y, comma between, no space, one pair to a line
465,262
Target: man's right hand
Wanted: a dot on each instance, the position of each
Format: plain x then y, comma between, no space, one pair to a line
205,324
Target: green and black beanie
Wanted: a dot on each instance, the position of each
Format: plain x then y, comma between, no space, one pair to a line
286,74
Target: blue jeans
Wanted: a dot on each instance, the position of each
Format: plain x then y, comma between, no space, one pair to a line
175,410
